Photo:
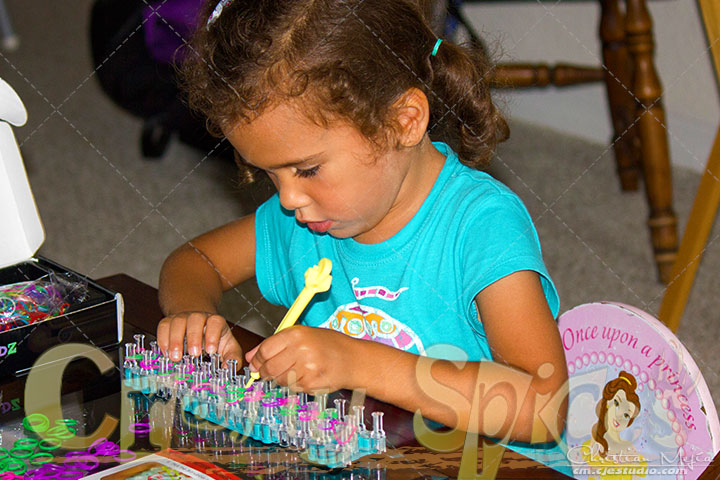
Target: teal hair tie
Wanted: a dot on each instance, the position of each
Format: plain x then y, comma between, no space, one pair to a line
435,48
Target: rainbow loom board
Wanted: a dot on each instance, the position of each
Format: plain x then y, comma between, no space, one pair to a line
326,436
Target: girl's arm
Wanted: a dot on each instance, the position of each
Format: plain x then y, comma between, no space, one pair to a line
192,281
493,398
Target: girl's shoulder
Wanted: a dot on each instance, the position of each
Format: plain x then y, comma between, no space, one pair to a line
475,184
476,192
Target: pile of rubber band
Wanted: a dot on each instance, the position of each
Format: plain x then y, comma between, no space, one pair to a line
34,459
25,303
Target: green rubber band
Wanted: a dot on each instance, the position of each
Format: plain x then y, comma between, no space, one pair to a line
17,455
4,453
34,459
19,465
51,447
66,421
62,432
26,442
436,47
41,422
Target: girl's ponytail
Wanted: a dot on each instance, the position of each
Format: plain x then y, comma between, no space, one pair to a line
462,111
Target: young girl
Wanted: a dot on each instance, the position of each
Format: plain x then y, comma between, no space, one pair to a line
335,101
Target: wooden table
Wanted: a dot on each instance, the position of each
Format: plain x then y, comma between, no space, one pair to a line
405,458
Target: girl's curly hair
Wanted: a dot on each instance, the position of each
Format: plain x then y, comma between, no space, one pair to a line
341,60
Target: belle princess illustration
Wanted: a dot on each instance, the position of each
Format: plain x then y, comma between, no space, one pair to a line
609,455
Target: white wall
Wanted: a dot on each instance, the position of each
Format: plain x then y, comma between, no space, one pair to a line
567,31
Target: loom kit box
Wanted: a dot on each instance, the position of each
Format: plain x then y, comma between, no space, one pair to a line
94,316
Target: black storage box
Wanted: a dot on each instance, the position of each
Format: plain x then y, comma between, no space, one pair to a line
97,320
94,318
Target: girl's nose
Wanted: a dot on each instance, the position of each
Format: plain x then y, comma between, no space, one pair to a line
292,197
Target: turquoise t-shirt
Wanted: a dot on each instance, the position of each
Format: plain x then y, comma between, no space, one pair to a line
416,290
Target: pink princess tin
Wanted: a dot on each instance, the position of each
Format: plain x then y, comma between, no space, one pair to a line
638,404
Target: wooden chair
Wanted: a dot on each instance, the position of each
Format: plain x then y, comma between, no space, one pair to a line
705,207
634,94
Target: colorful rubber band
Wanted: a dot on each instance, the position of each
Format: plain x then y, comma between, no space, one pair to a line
34,460
66,421
436,47
43,444
26,442
14,452
62,432
13,465
36,422
140,428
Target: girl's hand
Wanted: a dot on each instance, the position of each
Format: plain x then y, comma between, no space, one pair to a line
218,337
305,358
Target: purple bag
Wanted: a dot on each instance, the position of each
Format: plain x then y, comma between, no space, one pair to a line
168,26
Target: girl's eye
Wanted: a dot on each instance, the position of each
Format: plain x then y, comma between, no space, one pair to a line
616,402
310,172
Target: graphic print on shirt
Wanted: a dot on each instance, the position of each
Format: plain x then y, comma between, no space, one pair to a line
368,323
375,291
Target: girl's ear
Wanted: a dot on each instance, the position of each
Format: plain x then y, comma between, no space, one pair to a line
412,114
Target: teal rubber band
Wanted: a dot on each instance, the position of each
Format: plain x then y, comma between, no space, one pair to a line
436,47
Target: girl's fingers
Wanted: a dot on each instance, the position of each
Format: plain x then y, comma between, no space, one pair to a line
251,354
195,328
282,368
276,365
215,327
163,334
177,337
268,349
230,350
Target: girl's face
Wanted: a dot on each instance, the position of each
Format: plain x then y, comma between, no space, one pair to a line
332,178
619,412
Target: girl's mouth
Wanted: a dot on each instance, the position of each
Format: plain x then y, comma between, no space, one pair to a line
320,226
